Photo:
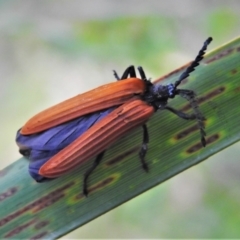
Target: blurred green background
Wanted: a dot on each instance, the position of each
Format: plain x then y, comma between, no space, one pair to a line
52,50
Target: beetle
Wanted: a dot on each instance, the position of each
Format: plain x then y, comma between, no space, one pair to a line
61,137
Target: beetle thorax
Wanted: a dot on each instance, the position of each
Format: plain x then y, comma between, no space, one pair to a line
159,94
163,91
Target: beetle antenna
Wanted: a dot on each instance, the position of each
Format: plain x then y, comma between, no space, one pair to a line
143,76
195,63
142,73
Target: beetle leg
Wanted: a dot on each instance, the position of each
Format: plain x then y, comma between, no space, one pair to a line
116,75
130,71
144,147
142,74
90,170
144,78
190,96
25,152
182,114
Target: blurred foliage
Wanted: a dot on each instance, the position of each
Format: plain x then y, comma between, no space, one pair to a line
159,43
221,22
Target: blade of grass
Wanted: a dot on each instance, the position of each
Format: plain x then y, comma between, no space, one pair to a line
50,210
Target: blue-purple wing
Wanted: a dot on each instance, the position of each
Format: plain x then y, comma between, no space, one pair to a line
40,147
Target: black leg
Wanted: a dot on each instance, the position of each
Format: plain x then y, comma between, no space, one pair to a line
130,71
142,74
25,152
144,148
90,170
116,75
189,95
182,114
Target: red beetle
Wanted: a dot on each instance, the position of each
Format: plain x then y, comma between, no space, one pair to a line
61,137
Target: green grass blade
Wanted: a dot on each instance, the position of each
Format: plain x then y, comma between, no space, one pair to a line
50,210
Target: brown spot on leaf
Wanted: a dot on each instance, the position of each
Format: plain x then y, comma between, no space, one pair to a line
186,132
39,204
122,156
199,146
39,236
8,193
96,187
237,89
207,97
19,229
234,71
41,224
220,55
